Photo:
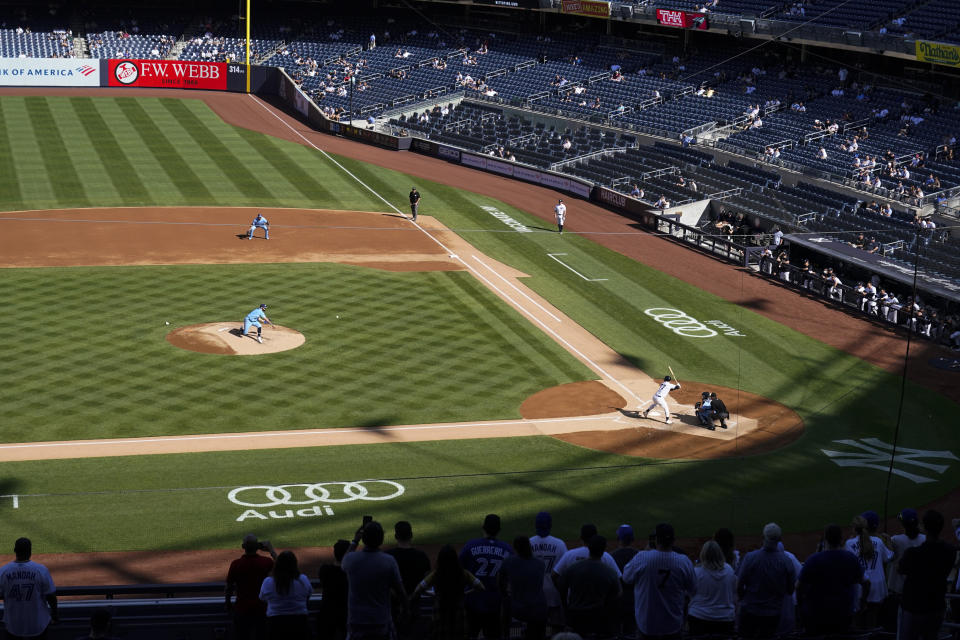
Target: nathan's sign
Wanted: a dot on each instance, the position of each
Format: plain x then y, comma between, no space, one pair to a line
682,19
591,8
169,74
938,53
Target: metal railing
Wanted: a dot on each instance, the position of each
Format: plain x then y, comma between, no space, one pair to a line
729,193
593,154
656,173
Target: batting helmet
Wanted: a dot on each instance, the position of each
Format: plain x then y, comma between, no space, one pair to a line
263,306
667,378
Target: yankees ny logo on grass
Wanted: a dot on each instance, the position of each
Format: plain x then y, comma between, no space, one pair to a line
875,454
319,496
683,325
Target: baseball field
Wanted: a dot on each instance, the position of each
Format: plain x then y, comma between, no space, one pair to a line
474,362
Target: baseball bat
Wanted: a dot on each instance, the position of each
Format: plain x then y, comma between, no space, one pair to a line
673,374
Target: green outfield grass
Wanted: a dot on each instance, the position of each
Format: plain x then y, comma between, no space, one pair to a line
90,361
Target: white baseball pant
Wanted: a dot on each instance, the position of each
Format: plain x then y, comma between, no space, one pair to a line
662,403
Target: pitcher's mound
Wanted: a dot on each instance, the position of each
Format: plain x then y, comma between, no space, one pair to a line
225,338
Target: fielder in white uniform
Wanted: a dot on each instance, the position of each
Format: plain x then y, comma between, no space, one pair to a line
660,397
561,212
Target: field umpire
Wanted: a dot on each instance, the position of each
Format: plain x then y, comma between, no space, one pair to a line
414,202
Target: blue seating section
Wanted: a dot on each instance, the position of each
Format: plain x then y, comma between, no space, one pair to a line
21,43
113,44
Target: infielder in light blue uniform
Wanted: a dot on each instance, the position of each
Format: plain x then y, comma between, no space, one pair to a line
261,222
253,320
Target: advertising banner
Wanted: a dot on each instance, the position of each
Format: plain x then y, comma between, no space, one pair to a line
520,172
589,8
170,74
682,19
520,4
938,53
49,72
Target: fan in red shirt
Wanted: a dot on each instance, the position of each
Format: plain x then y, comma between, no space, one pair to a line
244,578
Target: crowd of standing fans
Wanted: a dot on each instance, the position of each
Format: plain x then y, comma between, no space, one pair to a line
535,587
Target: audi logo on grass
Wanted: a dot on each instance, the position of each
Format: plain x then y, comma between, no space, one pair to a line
308,500
683,325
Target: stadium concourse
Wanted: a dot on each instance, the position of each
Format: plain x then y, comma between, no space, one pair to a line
738,125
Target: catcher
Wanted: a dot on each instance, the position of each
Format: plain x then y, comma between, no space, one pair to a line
261,222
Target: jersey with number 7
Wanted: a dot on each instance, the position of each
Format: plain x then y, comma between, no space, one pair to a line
661,582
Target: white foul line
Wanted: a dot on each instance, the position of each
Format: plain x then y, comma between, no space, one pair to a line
554,256
517,289
294,434
572,349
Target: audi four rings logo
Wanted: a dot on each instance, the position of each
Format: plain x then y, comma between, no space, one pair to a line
680,323
296,495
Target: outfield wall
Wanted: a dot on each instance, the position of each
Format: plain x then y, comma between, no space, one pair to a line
119,73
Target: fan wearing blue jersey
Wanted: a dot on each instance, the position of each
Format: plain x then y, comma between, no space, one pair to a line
483,557
253,320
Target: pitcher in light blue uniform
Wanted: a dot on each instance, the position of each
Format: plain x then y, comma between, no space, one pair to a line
253,320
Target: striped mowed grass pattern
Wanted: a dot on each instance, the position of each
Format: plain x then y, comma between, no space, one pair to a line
80,152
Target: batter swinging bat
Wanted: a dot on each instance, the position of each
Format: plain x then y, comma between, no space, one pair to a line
673,374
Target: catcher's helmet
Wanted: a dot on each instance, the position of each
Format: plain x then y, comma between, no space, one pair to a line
667,378
705,394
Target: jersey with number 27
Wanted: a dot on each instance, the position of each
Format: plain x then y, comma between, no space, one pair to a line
483,557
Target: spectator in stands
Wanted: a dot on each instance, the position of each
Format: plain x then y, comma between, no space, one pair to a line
332,619
100,623
925,569
548,549
662,203
911,537
662,581
765,578
29,595
372,576
414,565
521,583
827,586
724,538
822,153
636,191
623,554
483,557
873,554
245,577
286,593
712,609
591,591
587,532
450,582
859,242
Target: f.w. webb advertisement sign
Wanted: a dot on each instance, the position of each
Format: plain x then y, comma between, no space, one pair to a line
49,72
167,74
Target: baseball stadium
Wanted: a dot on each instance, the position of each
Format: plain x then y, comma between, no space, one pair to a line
509,256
